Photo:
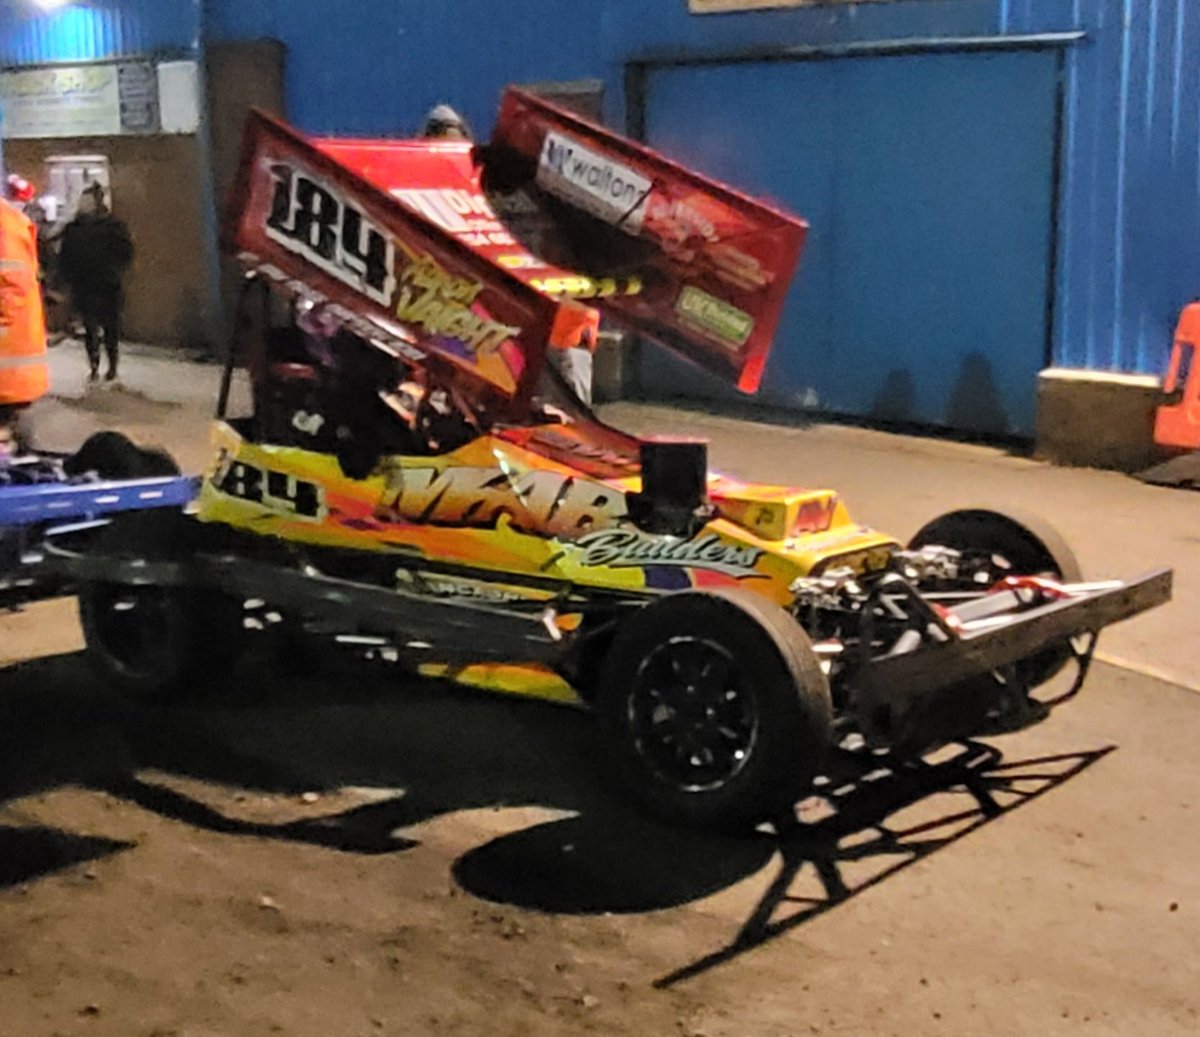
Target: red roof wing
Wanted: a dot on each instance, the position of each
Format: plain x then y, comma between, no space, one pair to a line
304,218
713,265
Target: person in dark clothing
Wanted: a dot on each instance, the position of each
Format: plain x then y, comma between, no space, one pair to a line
444,123
95,252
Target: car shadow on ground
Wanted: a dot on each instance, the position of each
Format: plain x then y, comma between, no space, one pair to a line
429,749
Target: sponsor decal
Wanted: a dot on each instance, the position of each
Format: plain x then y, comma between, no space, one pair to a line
606,189
766,518
277,491
688,234
313,220
718,318
536,501
679,220
462,213
519,261
583,451
441,305
737,269
396,340
623,549
579,287
309,424
439,586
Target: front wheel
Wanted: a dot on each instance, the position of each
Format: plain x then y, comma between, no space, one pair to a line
715,710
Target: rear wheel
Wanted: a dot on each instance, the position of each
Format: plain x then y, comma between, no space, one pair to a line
149,639
715,710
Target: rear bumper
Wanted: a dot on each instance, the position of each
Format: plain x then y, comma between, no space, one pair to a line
979,651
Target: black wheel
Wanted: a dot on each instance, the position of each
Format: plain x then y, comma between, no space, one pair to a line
147,639
1023,545
159,640
1005,545
714,708
112,455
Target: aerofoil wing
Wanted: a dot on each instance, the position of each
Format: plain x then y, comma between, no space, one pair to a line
311,223
711,267
467,254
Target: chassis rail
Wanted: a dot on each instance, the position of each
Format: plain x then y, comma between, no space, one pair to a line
458,629
482,631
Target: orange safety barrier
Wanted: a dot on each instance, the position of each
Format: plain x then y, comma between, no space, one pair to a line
24,376
1178,424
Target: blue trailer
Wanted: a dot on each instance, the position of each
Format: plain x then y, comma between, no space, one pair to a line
42,503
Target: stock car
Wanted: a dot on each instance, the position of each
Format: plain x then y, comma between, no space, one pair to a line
412,473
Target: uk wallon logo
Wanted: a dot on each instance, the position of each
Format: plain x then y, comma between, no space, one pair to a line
606,189
625,549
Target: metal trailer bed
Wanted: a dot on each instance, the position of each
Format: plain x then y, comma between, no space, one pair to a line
39,503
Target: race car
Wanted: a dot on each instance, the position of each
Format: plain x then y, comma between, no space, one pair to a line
412,474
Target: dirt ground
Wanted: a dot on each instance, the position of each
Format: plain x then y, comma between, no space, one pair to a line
358,853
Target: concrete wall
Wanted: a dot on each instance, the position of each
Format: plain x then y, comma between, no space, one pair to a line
241,76
1097,420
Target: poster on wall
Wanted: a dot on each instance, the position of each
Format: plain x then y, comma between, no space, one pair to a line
138,86
100,100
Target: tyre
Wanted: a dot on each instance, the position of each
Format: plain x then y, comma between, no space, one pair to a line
1018,546
148,640
296,653
714,709
1025,545
156,640
111,455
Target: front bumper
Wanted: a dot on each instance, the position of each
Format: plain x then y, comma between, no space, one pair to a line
980,649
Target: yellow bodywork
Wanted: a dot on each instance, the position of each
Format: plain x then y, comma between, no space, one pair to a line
497,507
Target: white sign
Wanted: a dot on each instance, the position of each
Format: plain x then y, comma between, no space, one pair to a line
179,96
614,193
83,101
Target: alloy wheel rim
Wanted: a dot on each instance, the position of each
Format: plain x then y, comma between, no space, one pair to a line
693,720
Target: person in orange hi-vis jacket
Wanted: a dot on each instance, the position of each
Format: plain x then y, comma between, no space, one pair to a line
24,375
573,340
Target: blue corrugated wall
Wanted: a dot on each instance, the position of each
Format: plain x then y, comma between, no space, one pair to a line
1130,205
1131,214
376,68
94,30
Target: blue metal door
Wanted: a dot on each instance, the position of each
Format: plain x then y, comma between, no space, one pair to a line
928,180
